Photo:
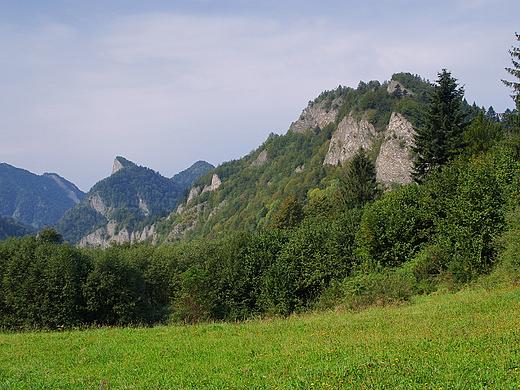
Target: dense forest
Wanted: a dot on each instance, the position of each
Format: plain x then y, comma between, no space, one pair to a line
35,200
326,236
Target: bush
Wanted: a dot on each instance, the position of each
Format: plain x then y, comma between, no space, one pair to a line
41,284
386,287
394,228
115,291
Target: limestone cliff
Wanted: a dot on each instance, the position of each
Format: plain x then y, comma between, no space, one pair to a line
215,183
350,135
108,234
261,159
96,202
394,163
317,115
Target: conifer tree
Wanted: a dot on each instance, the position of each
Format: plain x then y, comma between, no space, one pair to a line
515,86
440,138
359,183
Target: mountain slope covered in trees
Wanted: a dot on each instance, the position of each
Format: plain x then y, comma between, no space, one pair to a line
319,217
132,196
309,161
35,200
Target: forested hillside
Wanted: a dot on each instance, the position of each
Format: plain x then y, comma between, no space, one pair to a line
131,197
186,178
11,228
252,189
35,200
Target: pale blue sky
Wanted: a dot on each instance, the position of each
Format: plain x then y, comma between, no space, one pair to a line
167,83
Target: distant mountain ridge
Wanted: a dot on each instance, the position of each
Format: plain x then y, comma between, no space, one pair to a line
117,206
35,200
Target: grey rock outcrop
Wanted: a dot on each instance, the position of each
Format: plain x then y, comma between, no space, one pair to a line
215,183
194,192
143,207
316,114
350,135
261,159
106,235
392,86
97,204
394,163
117,166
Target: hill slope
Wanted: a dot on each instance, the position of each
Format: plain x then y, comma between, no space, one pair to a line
186,178
114,208
35,200
245,194
467,340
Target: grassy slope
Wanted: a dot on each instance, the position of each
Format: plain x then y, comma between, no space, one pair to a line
468,340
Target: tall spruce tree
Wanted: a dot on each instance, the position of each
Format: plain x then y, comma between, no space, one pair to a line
514,117
440,138
359,182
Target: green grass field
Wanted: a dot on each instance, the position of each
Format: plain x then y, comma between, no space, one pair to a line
467,340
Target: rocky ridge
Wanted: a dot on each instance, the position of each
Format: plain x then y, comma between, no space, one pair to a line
394,160
350,135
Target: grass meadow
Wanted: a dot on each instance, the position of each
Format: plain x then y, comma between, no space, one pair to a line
465,340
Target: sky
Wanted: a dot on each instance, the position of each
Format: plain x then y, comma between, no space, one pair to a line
167,83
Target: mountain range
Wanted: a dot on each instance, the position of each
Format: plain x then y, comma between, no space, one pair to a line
136,204
35,200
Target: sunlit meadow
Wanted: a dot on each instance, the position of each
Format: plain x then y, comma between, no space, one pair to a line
467,340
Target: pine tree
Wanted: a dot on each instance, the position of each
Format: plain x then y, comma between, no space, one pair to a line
359,183
514,118
440,138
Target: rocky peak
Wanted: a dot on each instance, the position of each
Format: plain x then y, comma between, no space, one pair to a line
120,163
317,114
350,135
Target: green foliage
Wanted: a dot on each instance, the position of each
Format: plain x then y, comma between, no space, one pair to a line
469,206
482,134
10,228
49,235
394,228
514,117
440,139
318,253
40,284
289,215
414,83
186,178
380,288
359,181
115,291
